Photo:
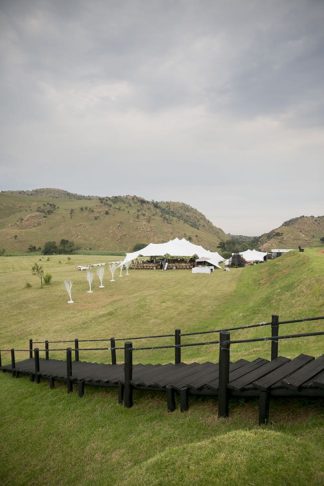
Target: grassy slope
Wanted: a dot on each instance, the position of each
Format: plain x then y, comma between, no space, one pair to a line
49,436
97,223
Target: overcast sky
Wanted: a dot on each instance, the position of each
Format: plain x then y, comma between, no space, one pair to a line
219,104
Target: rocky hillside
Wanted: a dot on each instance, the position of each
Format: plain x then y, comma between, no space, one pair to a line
303,231
30,218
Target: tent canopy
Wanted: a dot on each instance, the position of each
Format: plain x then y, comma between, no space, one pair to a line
176,248
253,255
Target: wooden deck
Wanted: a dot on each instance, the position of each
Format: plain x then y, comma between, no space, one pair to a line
302,376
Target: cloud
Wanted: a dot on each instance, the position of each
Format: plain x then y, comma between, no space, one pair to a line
215,103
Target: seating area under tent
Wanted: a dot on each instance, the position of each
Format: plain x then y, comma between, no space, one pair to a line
176,254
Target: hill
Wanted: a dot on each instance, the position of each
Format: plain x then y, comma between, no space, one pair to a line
303,231
30,218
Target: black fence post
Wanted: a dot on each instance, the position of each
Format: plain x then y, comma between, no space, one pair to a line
76,350
113,351
30,349
171,402
37,365
224,363
46,350
81,386
177,349
184,399
13,361
274,333
120,392
128,375
264,405
69,383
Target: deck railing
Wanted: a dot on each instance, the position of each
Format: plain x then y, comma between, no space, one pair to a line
126,389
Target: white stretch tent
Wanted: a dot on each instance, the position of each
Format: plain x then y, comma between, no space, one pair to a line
253,256
176,248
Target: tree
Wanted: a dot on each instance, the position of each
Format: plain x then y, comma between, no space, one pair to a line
38,270
50,248
66,247
139,246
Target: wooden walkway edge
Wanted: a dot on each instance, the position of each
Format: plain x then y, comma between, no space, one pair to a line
302,376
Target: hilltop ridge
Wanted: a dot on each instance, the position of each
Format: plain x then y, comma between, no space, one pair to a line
303,231
115,223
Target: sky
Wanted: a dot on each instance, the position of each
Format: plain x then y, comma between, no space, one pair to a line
218,104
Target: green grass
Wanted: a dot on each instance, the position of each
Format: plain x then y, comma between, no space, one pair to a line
48,436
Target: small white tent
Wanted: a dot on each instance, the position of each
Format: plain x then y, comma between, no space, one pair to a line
175,248
251,256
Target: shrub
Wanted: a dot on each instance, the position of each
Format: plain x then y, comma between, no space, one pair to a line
28,285
50,248
47,278
38,270
139,246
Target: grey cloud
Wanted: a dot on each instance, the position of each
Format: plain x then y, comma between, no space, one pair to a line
150,93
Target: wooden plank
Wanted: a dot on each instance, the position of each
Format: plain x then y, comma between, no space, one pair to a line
297,379
235,374
249,378
284,371
211,381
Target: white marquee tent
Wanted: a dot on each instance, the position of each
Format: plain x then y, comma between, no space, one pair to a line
176,248
253,256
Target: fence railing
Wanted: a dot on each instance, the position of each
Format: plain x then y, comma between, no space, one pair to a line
224,343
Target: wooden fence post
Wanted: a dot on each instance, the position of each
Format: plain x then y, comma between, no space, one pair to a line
46,350
171,402
30,349
13,362
113,351
69,383
76,350
184,399
37,365
81,388
224,363
274,333
264,404
177,349
128,375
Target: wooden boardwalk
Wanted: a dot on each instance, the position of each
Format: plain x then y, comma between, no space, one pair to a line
302,376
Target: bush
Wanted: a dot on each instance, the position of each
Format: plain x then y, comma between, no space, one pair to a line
38,270
139,246
47,278
28,285
63,248
50,248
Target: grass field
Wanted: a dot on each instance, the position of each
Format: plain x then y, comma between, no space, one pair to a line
50,437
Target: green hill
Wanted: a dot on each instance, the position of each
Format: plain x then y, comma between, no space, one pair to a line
303,231
30,218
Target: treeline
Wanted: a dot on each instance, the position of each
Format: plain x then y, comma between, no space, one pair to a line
236,244
65,247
